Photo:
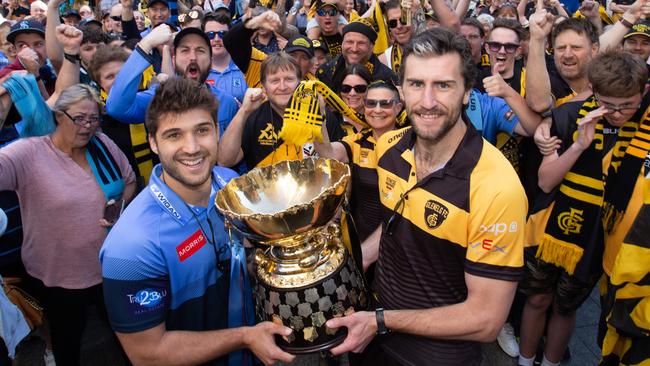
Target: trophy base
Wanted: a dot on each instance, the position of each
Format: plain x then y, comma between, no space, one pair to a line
340,337
306,309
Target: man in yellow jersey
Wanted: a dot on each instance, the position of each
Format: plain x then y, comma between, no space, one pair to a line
450,250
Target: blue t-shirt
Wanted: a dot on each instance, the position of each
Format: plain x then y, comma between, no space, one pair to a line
490,115
165,261
231,81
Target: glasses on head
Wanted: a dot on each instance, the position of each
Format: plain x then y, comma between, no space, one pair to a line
188,17
383,103
213,34
116,18
393,23
508,47
326,12
617,108
361,88
82,121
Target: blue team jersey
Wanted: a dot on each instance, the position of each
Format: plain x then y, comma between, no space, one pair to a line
231,81
490,115
165,261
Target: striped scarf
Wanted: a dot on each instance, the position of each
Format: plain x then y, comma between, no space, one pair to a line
396,58
574,224
629,153
303,120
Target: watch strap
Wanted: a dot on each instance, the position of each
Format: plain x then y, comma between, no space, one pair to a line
72,58
626,23
381,325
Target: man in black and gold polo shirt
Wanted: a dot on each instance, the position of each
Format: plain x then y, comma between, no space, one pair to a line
450,250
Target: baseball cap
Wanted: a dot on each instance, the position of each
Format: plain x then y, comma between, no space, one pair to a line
640,29
299,43
89,21
25,26
318,45
164,2
71,13
324,3
192,30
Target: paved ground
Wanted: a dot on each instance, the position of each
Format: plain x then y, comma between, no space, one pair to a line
99,348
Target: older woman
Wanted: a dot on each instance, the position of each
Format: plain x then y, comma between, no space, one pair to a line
64,181
381,106
353,92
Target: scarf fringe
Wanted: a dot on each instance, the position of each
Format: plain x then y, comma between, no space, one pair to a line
560,253
611,217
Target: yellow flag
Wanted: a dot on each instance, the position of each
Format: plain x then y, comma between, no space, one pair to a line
381,45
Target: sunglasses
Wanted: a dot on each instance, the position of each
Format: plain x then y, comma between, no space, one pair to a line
393,23
192,15
383,103
361,88
496,47
330,12
213,34
116,18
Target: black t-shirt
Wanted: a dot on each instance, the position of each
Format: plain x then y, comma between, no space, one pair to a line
514,82
333,43
260,142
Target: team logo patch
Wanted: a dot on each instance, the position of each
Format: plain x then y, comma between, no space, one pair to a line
191,245
210,82
435,213
509,114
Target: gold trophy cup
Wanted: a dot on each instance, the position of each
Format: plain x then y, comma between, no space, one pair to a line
305,274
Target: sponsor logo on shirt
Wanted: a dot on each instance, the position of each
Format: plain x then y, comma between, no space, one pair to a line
499,228
147,298
488,246
191,245
210,82
435,213
157,193
267,136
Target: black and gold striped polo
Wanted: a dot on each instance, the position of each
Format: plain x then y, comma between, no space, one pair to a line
467,217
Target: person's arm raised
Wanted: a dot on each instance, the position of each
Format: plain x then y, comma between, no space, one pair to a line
69,39
538,92
230,150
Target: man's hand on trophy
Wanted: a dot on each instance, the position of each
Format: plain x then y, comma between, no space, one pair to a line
260,339
362,328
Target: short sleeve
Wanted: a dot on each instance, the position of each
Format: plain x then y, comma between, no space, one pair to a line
505,117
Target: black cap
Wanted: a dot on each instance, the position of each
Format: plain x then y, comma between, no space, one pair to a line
361,26
71,13
152,2
300,43
323,3
192,30
318,45
89,21
639,29
25,26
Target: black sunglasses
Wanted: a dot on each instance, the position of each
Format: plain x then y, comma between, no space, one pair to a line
496,46
323,12
116,18
393,23
213,34
361,88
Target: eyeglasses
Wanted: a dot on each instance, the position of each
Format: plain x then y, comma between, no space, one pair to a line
192,15
383,103
82,121
617,108
496,47
323,12
116,18
213,34
361,88
393,23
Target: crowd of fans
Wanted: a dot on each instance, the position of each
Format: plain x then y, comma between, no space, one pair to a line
558,87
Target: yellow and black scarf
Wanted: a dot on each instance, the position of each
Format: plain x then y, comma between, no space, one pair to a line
574,223
396,57
629,154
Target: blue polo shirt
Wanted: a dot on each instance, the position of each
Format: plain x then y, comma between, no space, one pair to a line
165,261
127,105
231,80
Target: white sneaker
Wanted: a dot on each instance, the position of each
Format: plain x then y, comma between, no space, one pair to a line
48,357
507,340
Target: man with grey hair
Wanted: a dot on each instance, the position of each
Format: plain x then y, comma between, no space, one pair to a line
449,251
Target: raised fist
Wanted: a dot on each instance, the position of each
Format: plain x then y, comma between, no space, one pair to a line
69,38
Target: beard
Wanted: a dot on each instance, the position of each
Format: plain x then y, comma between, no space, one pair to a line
433,135
193,71
173,168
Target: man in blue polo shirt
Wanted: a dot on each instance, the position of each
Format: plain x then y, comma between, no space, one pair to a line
176,284
192,54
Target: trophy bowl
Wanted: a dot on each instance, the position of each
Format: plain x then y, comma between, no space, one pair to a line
304,274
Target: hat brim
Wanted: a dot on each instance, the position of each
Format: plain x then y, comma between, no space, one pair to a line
191,30
11,37
307,51
151,3
637,34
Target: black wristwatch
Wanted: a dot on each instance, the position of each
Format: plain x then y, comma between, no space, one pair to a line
72,58
381,326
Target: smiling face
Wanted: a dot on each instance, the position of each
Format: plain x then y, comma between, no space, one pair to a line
638,44
501,59
280,85
402,33
74,135
434,94
158,14
186,144
572,54
353,98
218,50
192,58
382,119
356,48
